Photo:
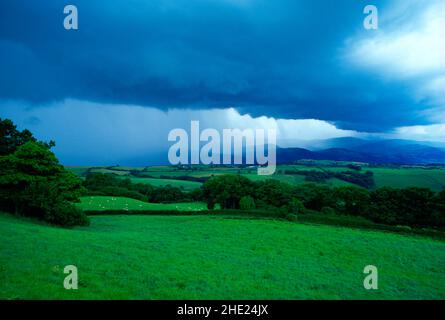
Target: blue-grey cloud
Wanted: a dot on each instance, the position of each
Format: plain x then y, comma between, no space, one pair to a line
281,58
97,134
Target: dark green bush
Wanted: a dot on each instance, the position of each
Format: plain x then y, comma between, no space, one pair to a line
292,217
247,203
67,215
328,210
296,206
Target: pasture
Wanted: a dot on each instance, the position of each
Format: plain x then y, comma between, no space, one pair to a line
185,185
397,177
433,178
213,257
122,203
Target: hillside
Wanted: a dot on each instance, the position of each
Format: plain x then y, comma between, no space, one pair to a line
379,152
209,257
100,203
391,176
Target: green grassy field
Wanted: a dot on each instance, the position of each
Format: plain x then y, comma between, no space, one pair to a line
409,177
295,179
122,203
397,177
210,257
186,185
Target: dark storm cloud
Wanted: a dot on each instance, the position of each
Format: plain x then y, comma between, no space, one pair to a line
277,58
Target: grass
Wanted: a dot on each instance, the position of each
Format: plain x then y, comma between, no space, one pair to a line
122,203
211,257
109,171
79,170
183,184
401,177
410,177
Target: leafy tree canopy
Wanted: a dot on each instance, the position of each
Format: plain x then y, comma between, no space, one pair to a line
34,183
11,138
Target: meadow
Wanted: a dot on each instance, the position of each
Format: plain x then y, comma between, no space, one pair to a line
158,182
214,257
209,232
122,203
433,178
397,177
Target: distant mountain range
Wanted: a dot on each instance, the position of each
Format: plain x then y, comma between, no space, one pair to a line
339,149
371,151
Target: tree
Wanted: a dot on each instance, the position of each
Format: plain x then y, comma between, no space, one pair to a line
274,193
11,138
438,217
352,200
33,183
410,206
385,205
227,190
296,206
247,203
314,196
416,206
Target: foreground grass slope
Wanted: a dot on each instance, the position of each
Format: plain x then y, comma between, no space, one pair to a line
209,257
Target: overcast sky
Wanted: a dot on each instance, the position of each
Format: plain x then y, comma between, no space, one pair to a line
134,70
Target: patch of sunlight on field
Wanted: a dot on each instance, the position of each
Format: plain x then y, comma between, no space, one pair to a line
123,203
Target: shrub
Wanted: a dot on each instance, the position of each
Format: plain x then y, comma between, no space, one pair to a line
352,200
328,211
210,205
292,217
247,203
314,196
67,215
296,206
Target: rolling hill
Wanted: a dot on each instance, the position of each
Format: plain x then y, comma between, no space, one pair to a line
378,151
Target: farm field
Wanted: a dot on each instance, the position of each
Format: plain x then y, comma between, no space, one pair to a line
213,257
408,177
122,203
186,185
397,177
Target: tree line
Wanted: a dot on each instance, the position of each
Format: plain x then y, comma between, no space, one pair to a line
414,206
106,184
365,180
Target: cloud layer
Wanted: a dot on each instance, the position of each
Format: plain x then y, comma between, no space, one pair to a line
94,134
110,91
283,58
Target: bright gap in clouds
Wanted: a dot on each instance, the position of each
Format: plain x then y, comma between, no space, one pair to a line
413,47
89,133
407,48
434,132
